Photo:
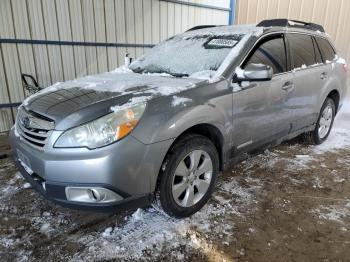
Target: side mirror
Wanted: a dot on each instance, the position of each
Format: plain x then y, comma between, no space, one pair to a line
254,72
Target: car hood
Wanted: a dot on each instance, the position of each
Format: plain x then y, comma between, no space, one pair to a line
78,101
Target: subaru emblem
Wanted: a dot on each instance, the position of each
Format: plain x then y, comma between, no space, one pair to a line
26,122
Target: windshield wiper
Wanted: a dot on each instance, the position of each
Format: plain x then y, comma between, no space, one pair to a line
145,71
177,74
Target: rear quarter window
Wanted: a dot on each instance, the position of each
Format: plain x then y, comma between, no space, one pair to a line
318,55
302,50
326,49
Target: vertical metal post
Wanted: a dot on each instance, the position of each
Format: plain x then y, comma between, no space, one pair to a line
231,17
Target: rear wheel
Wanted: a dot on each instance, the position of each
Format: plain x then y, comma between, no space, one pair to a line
324,123
188,176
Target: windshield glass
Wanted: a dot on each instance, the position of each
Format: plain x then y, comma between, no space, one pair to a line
185,55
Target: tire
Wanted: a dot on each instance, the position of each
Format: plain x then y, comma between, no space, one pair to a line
181,175
317,136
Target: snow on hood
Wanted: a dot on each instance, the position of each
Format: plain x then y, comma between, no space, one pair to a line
124,81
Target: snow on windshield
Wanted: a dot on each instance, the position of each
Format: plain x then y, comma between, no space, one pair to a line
184,55
191,57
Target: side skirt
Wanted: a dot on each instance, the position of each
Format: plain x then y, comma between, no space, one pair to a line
259,147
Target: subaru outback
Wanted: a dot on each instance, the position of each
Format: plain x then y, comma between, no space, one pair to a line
162,128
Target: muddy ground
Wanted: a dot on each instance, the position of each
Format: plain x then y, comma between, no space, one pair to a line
289,203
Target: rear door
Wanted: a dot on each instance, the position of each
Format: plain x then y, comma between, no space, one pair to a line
308,78
259,107
333,73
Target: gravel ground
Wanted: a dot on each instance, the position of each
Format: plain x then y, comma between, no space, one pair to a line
289,203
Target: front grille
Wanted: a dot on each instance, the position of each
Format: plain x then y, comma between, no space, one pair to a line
33,129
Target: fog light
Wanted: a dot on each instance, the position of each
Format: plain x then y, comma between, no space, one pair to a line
91,195
95,195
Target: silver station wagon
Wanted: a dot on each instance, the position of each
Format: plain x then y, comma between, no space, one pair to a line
162,128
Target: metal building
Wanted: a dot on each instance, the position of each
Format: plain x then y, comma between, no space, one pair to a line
334,15
59,40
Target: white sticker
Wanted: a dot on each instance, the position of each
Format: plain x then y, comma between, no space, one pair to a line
221,42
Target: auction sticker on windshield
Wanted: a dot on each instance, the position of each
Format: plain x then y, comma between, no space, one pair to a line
221,43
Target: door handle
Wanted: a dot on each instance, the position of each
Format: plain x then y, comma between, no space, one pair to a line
324,76
288,86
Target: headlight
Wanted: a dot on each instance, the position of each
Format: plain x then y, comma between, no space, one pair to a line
104,130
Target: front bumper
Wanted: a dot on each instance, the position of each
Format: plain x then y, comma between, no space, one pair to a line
129,168
55,192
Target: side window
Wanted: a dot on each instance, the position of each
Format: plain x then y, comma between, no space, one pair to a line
271,51
302,50
327,50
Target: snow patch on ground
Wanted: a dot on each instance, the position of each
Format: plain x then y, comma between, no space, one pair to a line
50,224
151,232
11,188
27,185
334,212
6,242
317,183
300,162
46,228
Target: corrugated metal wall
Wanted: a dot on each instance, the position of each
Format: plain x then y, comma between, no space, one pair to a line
334,15
139,22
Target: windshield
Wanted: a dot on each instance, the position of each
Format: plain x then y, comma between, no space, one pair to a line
185,55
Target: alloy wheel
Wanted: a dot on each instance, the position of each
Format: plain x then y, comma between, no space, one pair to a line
325,121
192,178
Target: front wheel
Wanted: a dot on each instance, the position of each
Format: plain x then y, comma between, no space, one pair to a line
324,123
188,176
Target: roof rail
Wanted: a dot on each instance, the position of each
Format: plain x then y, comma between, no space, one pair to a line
202,27
291,23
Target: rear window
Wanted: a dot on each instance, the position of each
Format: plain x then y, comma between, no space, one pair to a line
326,49
302,50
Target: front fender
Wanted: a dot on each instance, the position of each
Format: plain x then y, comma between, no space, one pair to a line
180,121
163,120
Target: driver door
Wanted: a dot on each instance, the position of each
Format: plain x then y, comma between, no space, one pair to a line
260,108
